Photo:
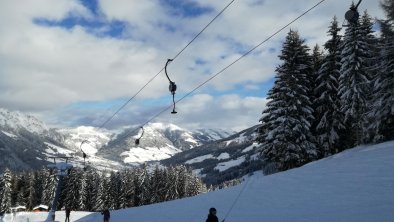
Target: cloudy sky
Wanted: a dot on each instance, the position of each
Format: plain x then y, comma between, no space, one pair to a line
76,62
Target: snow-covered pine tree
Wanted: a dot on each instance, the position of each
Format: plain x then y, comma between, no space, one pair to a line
71,189
49,186
287,140
102,201
127,189
383,94
354,84
328,124
6,194
372,68
88,190
114,190
34,189
194,186
388,7
20,190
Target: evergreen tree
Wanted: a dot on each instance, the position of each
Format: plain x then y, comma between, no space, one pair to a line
287,141
102,201
49,186
383,94
328,116
34,190
6,195
127,189
388,7
354,84
114,190
88,190
71,190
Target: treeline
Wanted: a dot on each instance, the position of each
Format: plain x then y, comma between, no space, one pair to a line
94,191
325,102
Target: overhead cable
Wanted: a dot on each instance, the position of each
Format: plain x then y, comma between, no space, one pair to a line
150,80
232,63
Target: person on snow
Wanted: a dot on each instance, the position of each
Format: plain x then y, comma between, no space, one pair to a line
106,215
212,216
68,210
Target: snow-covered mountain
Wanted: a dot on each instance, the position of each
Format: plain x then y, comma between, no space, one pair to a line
26,143
14,121
159,141
222,160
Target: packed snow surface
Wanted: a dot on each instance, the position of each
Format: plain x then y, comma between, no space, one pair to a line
355,185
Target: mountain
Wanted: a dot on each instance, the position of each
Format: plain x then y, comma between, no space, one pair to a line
354,185
158,141
222,160
27,143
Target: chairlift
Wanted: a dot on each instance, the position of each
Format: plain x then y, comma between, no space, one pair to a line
352,14
172,87
137,141
84,154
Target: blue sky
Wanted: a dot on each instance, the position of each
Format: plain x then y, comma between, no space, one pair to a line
73,62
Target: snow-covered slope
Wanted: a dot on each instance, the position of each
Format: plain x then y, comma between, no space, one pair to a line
355,185
222,160
97,138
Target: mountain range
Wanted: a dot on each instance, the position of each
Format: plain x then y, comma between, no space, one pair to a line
216,155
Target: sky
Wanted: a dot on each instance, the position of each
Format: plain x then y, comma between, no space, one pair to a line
355,185
76,62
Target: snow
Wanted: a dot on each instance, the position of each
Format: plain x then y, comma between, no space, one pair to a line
249,148
199,159
357,185
53,149
17,120
226,165
241,139
138,155
223,156
9,134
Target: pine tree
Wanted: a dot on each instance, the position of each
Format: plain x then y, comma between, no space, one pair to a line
287,141
388,7
49,186
383,94
6,195
34,189
71,189
327,112
102,201
354,84
127,189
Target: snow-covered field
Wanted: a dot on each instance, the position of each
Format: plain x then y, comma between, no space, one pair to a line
355,185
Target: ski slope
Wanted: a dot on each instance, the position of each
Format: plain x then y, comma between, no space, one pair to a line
355,185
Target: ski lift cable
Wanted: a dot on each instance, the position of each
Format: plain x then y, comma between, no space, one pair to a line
228,66
251,50
150,80
236,199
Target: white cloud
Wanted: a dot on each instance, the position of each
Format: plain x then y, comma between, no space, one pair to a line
44,69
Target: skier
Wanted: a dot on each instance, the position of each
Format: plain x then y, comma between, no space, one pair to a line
212,216
68,210
106,215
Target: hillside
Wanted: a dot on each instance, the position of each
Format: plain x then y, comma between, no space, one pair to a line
355,185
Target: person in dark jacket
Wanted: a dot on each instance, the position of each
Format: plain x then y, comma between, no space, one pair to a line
212,215
106,215
68,210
